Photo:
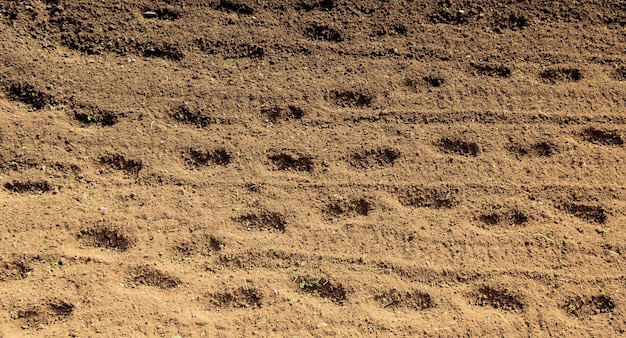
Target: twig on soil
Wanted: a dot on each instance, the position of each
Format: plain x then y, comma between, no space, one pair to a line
544,236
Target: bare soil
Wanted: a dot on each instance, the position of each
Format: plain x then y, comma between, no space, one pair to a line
228,168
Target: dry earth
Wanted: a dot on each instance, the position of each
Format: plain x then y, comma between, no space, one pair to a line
312,168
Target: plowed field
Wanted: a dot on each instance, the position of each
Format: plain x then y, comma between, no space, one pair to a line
229,168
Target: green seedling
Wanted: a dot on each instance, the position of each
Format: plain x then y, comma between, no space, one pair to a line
305,285
571,306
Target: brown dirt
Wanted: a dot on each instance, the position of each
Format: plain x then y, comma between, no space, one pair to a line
229,168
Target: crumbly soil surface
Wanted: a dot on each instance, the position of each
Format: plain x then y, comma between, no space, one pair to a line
229,168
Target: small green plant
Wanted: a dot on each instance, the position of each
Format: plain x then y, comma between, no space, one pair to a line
243,155
306,285
571,305
55,266
572,308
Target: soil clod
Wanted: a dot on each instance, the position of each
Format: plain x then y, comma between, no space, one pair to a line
197,158
323,32
436,198
492,70
264,221
565,74
374,158
499,299
603,137
459,147
350,208
289,162
119,162
322,287
239,298
108,237
149,276
349,98
32,187
589,213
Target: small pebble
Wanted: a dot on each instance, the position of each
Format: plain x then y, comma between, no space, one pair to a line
150,15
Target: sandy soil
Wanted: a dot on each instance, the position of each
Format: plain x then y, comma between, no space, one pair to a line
312,168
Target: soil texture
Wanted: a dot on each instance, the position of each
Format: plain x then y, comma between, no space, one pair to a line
324,168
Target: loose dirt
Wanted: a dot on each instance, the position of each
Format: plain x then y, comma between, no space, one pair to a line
228,168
